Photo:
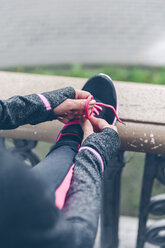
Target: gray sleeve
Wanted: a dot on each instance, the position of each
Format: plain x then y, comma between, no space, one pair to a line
83,203
30,109
106,143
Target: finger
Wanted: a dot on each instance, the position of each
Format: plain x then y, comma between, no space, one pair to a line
87,128
71,105
78,112
82,94
63,119
77,104
86,125
71,117
81,112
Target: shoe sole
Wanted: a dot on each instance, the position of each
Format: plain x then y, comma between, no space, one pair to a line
101,87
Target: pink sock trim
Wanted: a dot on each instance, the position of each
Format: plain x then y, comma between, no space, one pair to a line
62,190
63,134
45,101
71,123
95,152
68,124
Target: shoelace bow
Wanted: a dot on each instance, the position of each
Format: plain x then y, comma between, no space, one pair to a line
94,109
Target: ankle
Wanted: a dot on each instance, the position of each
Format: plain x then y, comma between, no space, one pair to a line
71,132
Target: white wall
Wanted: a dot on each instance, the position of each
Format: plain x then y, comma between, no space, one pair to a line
86,31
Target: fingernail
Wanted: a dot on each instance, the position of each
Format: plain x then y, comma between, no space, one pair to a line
92,103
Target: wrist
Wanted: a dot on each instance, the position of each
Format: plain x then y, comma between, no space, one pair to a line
56,97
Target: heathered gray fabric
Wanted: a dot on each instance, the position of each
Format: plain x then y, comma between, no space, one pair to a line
82,207
20,110
58,96
106,143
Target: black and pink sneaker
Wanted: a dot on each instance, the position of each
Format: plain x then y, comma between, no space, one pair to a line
103,91
71,134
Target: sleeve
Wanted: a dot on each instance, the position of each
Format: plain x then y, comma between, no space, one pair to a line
32,109
83,203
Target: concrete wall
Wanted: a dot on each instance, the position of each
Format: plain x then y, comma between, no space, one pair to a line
40,32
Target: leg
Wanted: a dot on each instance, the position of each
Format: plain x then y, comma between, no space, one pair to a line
83,204
56,169
55,166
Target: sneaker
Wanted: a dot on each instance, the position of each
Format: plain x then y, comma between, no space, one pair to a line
71,134
103,90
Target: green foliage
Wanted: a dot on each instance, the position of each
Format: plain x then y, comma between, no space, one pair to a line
154,75
131,183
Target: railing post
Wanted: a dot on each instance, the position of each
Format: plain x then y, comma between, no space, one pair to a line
24,149
147,183
111,202
154,168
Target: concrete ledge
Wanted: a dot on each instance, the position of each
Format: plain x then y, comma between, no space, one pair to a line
141,106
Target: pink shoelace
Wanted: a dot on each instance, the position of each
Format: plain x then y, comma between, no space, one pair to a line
94,109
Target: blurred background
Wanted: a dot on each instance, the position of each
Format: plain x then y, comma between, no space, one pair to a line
122,38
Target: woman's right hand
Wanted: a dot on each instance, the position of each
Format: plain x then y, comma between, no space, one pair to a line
94,125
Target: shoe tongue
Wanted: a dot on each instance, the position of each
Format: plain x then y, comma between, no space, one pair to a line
101,112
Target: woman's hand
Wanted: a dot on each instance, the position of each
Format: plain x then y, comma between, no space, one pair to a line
71,108
94,125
